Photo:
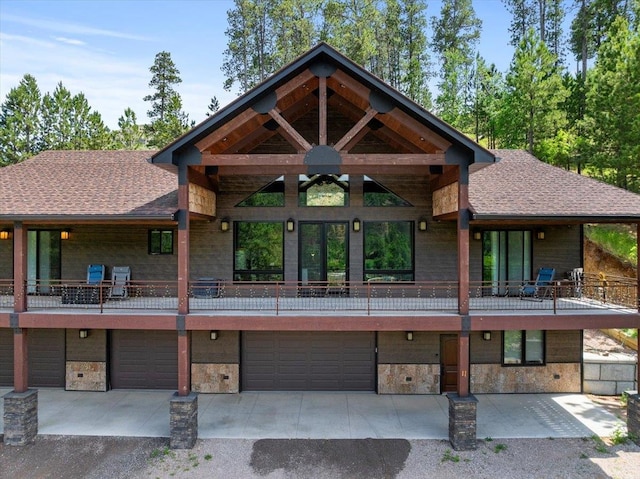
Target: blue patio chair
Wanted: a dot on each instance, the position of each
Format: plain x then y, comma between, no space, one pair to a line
95,273
541,288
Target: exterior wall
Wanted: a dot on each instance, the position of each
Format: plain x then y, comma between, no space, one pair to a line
116,245
561,249
86,361
609,375
215,364
6,258
561,373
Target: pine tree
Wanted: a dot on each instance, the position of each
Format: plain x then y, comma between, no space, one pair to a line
213,107
168,121
130,135
20,122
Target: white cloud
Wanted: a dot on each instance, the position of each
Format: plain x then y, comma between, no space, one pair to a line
69,41
70,28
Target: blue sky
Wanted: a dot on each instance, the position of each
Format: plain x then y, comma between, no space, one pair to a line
105,48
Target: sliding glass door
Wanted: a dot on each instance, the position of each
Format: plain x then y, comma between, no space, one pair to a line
43,260
506,261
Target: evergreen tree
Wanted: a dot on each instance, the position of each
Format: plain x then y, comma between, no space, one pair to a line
523,17
213,107
530,113
612,122
168,121
414,57
20,122
130,135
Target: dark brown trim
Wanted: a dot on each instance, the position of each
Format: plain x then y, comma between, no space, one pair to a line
554,322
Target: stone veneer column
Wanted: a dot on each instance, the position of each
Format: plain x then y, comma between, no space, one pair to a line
633,416
183,422
20,417
462,421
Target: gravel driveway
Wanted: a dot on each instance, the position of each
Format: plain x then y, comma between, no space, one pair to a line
87,457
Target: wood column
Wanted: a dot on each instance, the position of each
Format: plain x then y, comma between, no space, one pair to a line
20,360
463,279
183,239
184,361
463,239
19,267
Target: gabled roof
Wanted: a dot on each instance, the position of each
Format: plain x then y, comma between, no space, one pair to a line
89,185
323,61
521,187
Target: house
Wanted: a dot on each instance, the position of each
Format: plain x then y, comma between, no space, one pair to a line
322,232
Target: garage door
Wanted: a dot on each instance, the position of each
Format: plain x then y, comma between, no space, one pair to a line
6,357
308,361
144,360
46,357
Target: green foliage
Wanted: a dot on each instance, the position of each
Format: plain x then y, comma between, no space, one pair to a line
619,240
499,448
130,135
619,437
600,446
450,456
20,122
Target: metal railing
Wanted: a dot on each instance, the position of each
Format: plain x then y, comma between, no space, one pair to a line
590,293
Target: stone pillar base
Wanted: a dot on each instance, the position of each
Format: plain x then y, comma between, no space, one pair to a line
633,416
20,417
462,422
183,423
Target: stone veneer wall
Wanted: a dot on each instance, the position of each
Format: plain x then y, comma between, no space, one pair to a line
609,375
551,378
408,378
86,376
215,378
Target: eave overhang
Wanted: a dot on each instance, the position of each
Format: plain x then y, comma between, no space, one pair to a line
184,152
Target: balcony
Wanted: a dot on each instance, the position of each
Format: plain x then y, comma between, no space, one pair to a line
590,296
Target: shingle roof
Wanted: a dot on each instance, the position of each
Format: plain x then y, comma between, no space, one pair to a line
87,184
519,186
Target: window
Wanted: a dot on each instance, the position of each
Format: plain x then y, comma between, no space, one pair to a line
160,242
523,348
323,190
258,251
269,195
377,195
388,251
506,261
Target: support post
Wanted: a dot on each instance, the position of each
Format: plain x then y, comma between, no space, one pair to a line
463,239
183,423
183,239
184,363
19,267
20,359
633,416
462,422
463,359
20,417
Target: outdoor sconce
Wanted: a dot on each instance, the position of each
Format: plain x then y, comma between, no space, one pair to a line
64,234
422,224
486,335
213,335
409,335
224,225
4,235
540,235
291,225
83,333
477,235
356,225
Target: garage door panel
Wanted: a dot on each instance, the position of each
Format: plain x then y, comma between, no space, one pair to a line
307,361
144,359
46,349
6,357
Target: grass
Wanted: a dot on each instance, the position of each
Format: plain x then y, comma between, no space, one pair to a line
617,239
499,448
449,456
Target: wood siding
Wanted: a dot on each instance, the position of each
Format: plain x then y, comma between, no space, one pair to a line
393,348
91,348
224,350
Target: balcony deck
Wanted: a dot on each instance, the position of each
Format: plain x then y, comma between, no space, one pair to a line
349,299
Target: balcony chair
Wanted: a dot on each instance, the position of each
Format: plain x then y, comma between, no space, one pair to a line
89,294
207,288
120,277
95,273
541,288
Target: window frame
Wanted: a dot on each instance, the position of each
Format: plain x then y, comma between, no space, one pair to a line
238,273
151,250
383,273
523,348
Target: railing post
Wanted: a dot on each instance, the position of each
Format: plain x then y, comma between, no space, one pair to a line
277,298
554,294
368,298
101,297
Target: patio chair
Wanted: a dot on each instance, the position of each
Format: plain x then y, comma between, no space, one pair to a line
207,288
95,273
120,277
541,288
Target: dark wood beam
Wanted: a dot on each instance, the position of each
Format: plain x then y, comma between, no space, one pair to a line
372,160
322,113
289,132
19,266
223,131
369,114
